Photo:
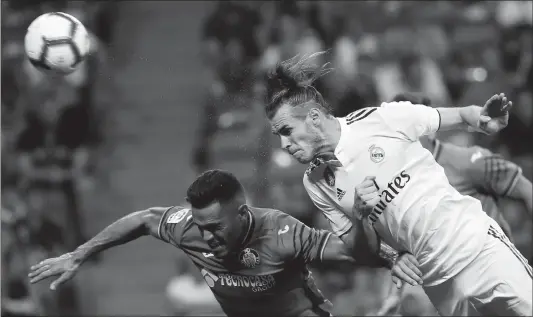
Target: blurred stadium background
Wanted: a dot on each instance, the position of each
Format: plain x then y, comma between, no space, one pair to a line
176,87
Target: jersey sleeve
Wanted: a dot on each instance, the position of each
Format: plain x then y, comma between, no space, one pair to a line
339,222
172,225
297,241
493,173
412,121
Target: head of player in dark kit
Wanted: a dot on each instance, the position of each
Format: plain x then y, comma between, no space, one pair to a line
218,206
297,112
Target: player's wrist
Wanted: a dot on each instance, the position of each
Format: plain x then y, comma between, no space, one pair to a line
80,254
388,254
470,115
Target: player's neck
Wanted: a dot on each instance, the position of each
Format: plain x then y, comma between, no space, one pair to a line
331,135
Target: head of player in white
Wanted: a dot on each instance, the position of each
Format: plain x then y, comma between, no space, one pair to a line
298,113
218,208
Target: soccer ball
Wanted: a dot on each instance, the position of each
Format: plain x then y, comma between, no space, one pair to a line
56,43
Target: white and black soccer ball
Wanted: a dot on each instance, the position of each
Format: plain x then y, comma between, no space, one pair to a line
57,43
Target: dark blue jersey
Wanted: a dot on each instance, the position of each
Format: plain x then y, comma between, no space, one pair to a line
269,276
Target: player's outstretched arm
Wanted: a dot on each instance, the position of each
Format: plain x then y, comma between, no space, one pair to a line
125,229
489,119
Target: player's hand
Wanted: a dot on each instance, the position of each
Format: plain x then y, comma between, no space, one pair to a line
494,115
366,196
66,266
406,270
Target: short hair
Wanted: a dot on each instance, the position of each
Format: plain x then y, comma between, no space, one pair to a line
213,186
291,82
413,98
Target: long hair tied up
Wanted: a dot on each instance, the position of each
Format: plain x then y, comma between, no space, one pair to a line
291,81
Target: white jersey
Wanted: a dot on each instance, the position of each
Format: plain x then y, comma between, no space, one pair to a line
419,212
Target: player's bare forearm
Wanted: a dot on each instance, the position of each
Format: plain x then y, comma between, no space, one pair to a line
523,191
489,119
337,250
458,118
366,246
126,229
360,245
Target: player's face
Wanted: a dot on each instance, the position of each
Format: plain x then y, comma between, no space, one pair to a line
298,135
218,227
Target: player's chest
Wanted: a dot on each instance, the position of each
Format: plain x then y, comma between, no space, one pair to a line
239,284
253,271
374,155
339,180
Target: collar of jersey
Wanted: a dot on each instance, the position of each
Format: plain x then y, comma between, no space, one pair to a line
251,226
317,161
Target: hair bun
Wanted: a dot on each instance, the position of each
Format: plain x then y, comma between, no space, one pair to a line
294,74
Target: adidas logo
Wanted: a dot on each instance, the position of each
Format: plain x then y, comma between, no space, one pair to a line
340,193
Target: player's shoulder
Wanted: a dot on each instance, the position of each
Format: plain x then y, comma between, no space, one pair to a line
270,221
360,115
384,114
468,161
400,109
464,155
176,214
478,152
469,155
175,219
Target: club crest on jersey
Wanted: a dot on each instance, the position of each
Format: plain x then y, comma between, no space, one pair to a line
249,258
329,176
177,217
377,154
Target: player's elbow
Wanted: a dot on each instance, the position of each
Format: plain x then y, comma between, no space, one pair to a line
336,250
149,219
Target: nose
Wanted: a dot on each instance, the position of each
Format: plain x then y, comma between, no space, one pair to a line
206,235
285,143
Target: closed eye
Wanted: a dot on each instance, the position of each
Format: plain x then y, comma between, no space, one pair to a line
285,131
211,227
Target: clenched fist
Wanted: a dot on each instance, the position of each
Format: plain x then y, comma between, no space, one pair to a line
366,197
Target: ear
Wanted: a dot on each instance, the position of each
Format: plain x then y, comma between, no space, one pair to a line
315,115
242,209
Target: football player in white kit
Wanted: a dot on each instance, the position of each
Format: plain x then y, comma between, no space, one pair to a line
370,168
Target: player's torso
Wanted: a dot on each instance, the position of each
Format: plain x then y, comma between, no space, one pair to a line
405,175
418,210
254,281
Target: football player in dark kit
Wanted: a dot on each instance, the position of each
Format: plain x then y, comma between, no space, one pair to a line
253,259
